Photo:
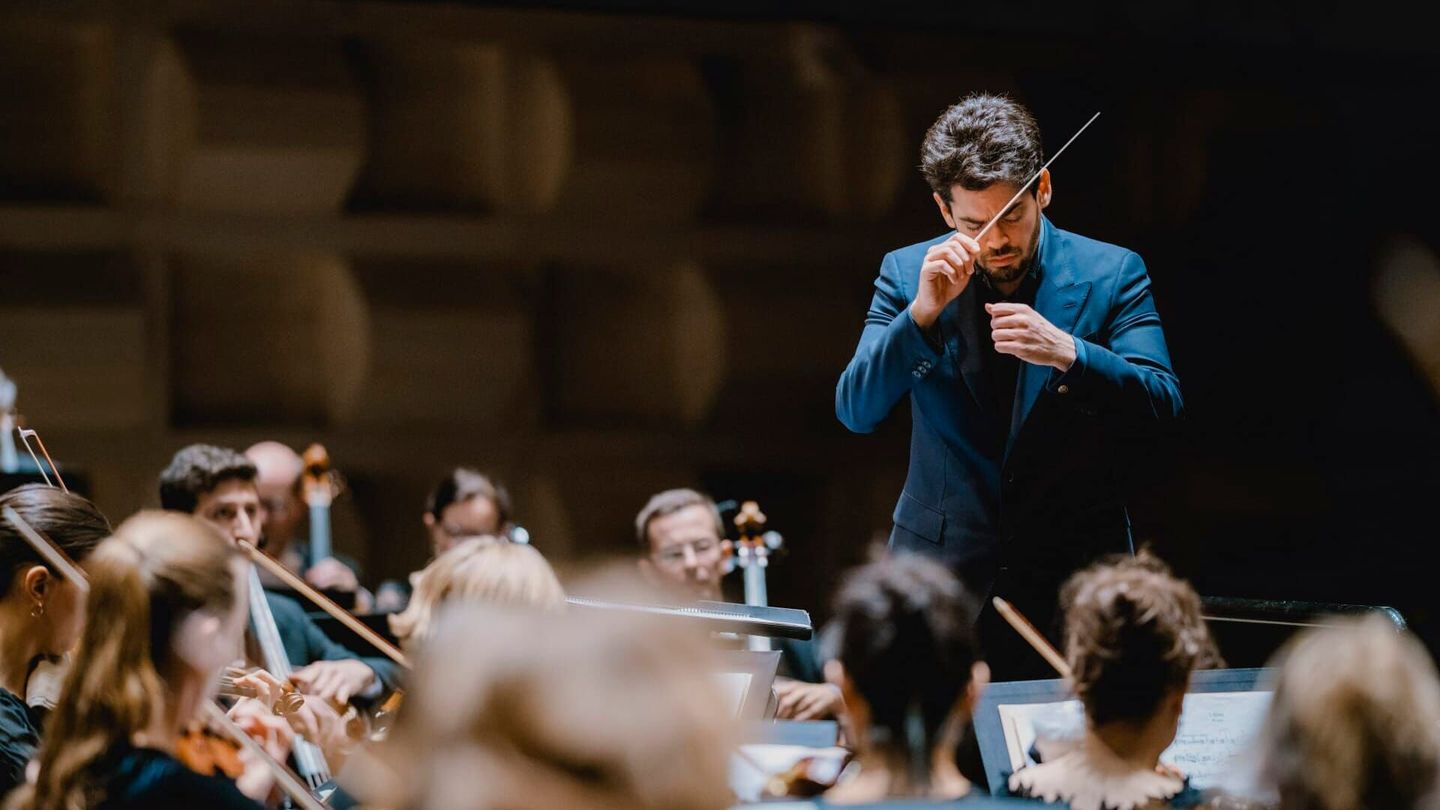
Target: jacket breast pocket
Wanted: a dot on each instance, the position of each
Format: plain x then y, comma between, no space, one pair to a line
919,519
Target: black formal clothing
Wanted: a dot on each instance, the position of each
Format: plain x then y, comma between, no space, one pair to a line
148,778
19,739
305,642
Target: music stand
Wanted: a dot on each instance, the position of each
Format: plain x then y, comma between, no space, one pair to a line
990,731
748,676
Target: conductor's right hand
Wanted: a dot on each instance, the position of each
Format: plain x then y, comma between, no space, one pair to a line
946,271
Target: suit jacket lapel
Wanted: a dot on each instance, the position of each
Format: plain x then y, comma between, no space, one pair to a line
1059,300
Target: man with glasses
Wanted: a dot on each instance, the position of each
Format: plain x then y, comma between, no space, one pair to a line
680,534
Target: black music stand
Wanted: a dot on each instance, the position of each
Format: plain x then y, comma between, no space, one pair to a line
1250,631
990,731
716,617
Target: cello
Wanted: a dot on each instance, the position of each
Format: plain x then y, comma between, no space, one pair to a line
320,486
751,551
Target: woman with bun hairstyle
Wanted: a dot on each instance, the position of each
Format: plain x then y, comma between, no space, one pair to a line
902,648
1133,634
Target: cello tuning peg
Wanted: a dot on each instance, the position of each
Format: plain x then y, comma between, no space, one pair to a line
773,540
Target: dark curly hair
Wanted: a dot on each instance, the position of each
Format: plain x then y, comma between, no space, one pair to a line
198,469
904,629
1133,632
982,140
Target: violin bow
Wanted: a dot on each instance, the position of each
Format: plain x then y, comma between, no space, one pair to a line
56,556
26,434
1028,632
48,551
326,604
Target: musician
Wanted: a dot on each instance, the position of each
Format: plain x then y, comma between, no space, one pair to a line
167,612
681,538
1355,721
41,613
278,470
1032,357
466,503
480,569
583,710
1133,635
217,485
902,647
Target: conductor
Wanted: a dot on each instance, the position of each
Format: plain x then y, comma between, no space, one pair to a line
1035,366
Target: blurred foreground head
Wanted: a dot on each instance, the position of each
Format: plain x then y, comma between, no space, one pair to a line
582,710
902,648
1355,721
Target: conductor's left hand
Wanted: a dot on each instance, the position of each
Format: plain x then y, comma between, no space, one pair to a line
1021,331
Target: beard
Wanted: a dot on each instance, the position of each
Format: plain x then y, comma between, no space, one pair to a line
1009,273
1012,272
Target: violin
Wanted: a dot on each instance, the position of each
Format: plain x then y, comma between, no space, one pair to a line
289,701
808,777
207,753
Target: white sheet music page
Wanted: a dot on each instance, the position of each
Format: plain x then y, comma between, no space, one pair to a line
1215,728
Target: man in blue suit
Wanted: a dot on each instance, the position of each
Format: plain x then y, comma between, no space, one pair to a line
1035,366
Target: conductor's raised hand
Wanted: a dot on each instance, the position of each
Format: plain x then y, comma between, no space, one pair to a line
1021,331
944,274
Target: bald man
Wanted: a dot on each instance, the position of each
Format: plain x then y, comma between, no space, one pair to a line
278,480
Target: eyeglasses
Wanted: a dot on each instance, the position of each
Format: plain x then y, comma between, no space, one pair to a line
675,555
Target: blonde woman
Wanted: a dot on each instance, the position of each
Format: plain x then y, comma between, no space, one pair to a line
1355,721
167,613
482,569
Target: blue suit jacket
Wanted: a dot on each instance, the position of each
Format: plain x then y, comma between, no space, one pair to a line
1053,498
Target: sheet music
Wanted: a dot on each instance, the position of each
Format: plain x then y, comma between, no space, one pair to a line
752,766
1215,727
734,686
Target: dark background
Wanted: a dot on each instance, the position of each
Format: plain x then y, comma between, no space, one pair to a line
1263,160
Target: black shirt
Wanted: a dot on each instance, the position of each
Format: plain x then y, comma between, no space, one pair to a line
19,739
150,778
1002,371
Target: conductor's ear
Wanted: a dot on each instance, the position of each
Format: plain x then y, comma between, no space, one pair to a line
944,209
1043,190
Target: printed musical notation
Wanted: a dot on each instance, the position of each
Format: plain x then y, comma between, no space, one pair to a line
1215,728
